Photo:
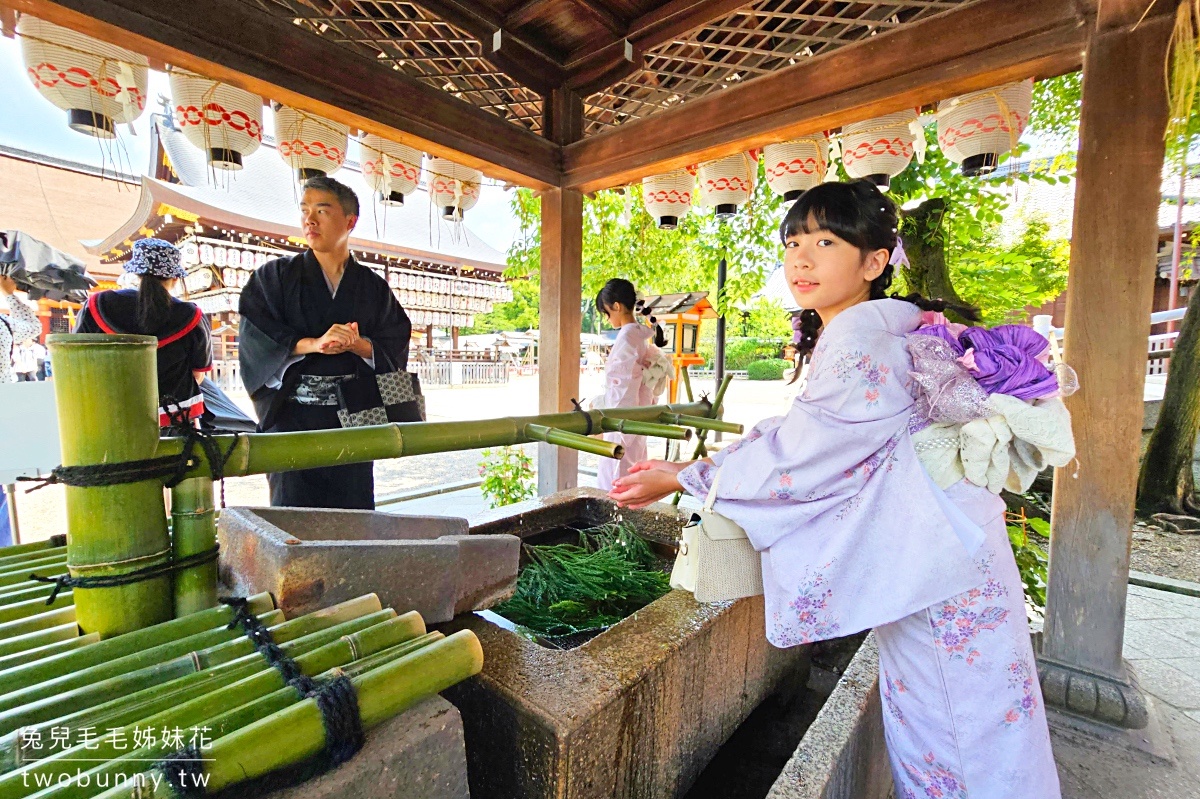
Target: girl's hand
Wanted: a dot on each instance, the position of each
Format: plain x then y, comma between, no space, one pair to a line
7,285
645,487
675,467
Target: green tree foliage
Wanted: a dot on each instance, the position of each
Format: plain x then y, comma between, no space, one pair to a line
507,475
1003,280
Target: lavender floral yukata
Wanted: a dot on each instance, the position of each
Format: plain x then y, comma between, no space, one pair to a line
855,535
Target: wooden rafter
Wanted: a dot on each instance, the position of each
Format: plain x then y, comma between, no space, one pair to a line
909,66
269,55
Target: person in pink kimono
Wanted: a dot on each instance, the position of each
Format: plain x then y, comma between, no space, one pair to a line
853,531
632,354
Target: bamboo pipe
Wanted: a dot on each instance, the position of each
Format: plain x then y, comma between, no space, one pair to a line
561,438
297,733
20,594
635,428
130,643
238,704
41,621
687,382
17,550
17,558
126,709
262,453
32,607
702,423
23,643
107,398
20,579
41,652
194,530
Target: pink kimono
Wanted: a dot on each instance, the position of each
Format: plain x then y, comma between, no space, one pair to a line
854,535
624,388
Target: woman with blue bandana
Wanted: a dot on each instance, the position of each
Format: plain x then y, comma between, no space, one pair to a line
184,346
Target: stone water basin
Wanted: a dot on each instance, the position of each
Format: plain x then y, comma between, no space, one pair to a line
638,710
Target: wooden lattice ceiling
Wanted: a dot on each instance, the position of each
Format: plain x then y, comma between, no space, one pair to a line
634,58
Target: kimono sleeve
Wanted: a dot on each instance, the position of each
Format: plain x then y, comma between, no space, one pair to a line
265,340
84,322
390,328
843,428
621,378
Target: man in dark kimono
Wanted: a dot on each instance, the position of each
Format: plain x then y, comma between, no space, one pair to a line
315,329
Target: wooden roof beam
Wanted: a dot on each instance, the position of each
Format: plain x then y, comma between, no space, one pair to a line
910,66
267,55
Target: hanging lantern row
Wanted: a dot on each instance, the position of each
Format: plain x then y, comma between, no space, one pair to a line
390,168
454,188
879,149
440,319
311,145
668,197
794,167
98,84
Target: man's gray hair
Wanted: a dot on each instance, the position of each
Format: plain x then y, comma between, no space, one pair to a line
346,196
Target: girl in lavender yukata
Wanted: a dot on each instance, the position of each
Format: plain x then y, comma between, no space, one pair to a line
627,381
855,533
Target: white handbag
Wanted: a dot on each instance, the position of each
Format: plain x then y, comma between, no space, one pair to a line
716,560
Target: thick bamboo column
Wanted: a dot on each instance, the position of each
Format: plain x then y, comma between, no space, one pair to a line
562,288
108,412
1109,299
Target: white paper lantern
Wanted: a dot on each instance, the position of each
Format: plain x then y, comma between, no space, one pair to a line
454,188
794,167
311,145
390,168
726,183
98,84
976,129
880,148
668,197
225,122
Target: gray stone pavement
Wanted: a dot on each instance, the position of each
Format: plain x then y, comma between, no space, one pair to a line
1162,643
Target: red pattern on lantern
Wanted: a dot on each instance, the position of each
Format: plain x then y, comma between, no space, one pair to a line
895,146
809,166
49,76
729,184
215,115
991,123
670,196
315,148
399,169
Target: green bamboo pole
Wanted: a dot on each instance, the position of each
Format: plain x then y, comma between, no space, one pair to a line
297,733
107,395
23,643
702,423
130,643
16,559
32,607
20,578
103,682
194,530
687,382
19,572
40,652
236,705
42,621
17,550
561,438
20,593
262,453
635,428
27,688
714,412
126,709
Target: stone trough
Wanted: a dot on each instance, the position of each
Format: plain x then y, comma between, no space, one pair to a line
310,558
638,710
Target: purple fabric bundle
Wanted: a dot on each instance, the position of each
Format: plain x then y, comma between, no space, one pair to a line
1007,359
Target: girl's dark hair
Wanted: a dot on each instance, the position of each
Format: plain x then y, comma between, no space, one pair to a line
860,214
153,304
621,290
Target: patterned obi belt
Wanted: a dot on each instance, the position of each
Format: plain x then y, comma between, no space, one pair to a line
318,389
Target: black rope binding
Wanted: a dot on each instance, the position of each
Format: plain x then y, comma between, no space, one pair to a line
336,698
586,416
171,469
63,581
184,772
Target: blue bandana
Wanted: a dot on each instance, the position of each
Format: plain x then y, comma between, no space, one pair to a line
155,257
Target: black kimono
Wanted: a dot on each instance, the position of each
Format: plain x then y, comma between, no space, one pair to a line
286,300
184,345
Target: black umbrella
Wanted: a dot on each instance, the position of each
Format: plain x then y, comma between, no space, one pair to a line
42,271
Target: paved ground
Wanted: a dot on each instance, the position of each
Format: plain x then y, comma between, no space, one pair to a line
1162,641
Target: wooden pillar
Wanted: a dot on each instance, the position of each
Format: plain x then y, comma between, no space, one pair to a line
560,318
1110,288
561,292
